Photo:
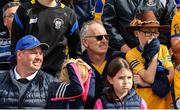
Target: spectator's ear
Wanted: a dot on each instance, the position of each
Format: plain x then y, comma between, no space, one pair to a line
109,79
174,42
84,42
136,32
19,54
5,21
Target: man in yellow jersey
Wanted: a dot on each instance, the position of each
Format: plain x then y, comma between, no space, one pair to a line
148,58
175,46
95,39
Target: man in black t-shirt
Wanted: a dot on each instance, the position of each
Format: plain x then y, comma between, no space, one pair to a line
53,23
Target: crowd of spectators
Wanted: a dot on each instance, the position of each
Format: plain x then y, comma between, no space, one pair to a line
101,54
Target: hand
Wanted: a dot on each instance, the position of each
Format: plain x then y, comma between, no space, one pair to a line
139,81
83,63
125,48
72,60
155,58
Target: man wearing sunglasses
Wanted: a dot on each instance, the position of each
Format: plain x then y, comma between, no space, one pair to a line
97,53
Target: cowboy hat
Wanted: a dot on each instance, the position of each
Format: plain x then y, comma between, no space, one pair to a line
147,19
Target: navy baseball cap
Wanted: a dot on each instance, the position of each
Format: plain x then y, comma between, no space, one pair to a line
30,42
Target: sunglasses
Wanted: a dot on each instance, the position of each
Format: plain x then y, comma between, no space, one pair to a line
100,37
149,34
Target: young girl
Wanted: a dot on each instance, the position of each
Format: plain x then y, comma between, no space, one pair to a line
119,93
73,90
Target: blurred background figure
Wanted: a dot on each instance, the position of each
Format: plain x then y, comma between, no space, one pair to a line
178,5
9,11
175,46
3,30
83,8
99,9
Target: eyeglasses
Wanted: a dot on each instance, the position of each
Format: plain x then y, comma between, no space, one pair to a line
100,37
10,15
149,34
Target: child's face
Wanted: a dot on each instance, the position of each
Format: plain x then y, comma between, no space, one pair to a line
122,82
145,35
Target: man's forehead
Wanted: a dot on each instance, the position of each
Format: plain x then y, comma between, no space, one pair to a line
94,29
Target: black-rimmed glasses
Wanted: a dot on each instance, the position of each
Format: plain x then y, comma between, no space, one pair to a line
100,37
149,33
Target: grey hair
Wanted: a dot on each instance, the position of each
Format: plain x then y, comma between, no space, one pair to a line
85,26
9,5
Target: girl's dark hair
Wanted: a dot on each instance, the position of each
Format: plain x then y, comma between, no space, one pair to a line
114,66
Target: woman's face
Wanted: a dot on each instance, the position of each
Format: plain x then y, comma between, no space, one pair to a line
122,82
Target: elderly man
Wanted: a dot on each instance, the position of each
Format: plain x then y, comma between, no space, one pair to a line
95,39
26,85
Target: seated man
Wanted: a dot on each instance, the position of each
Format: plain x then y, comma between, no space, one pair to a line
26,86
97,54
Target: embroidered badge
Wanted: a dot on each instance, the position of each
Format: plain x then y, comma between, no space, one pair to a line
33,20
150,3
58,23
177,29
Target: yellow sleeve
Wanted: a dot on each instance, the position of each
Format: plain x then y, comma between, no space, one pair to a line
177,84
135,60
166,57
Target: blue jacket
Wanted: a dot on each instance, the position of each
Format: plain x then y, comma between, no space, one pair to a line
35,95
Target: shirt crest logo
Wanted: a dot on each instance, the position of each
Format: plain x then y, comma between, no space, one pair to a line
150,3
177,29
58,23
